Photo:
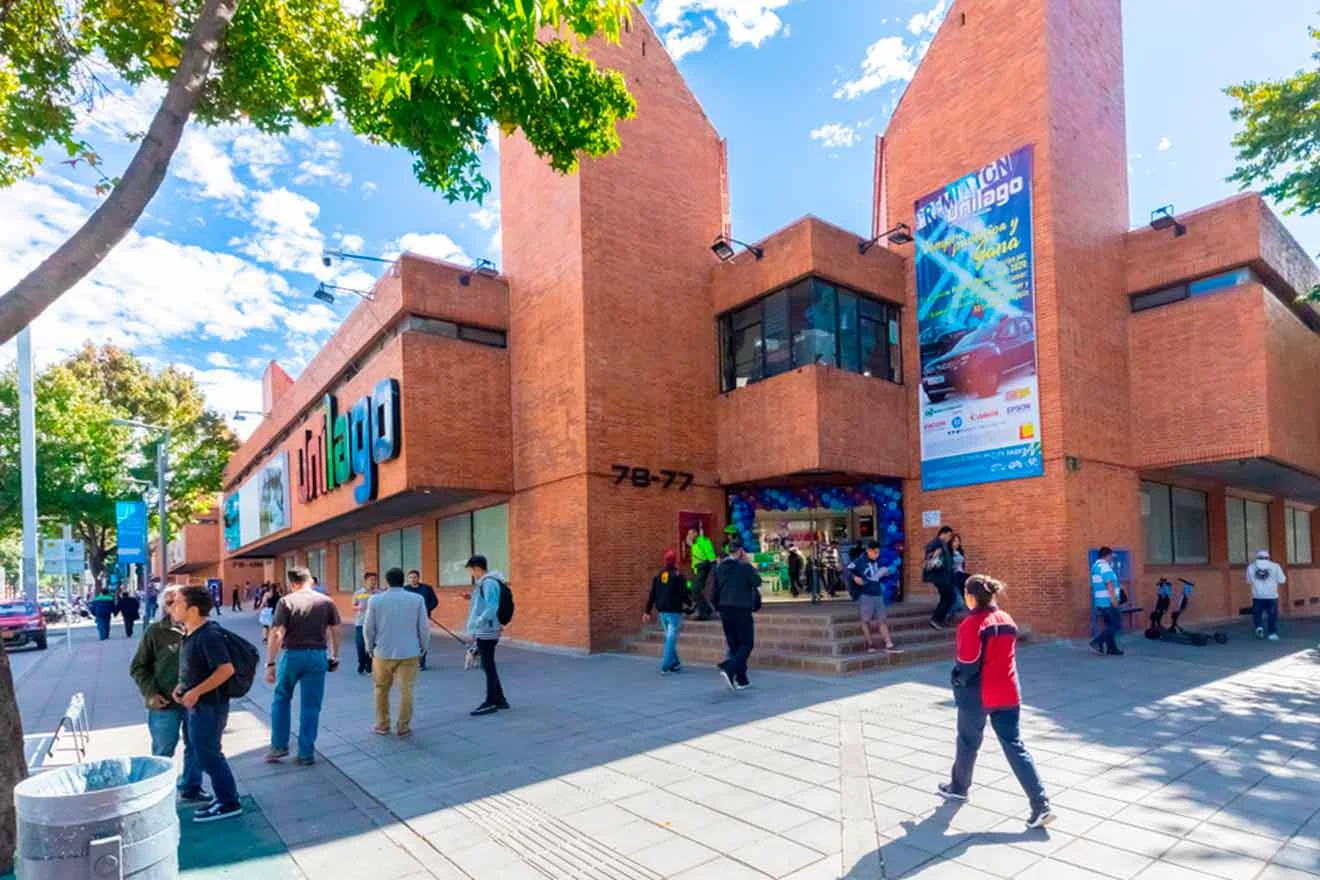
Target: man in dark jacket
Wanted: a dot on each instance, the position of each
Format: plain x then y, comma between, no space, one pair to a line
937,569
155,669
427,592
667,595
102,607
129,609
737,595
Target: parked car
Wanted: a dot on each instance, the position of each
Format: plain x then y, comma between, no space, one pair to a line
22,623
52,609
982,358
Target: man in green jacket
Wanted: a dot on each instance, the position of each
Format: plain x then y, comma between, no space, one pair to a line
155,669
703,560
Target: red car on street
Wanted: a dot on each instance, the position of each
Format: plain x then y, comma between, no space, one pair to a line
22,623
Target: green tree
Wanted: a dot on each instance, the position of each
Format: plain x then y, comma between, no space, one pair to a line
84,462
1279,143
425,75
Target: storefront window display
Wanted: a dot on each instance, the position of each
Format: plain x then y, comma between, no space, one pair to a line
820,521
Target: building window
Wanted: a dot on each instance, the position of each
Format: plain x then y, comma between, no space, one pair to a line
350,565
401,548
810,322
316,564
1298,524
484,531
1174,293
1248,529
1176,525
493,338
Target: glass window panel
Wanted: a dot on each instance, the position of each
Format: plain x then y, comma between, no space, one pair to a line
777,341
1155,298
455,542
1156,515
1221,281
1258,528
1237,531
410,541
895,348
848,343
874,345
389,552
747,316
1303,528
349,575
876,311
1191,543
748,364
485,337
490,529
812,317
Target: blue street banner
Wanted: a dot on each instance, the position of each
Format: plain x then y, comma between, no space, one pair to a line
976,326
131,531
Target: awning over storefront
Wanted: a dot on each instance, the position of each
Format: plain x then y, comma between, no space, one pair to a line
1262,474
399,506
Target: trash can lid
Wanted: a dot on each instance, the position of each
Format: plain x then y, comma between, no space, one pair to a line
94,790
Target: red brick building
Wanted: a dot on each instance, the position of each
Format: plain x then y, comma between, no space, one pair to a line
618,382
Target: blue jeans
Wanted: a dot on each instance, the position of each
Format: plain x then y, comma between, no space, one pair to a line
672,621
1112,622
971,729
206,724
103,627
1266,610
360,642
164,726
150,613
306,669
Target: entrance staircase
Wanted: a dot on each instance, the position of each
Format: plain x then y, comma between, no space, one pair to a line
824,639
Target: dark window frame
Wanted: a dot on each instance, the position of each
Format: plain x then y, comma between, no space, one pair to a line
1204,285
1173,525
881,315
1291,515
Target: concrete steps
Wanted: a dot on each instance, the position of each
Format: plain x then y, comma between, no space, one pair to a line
823,639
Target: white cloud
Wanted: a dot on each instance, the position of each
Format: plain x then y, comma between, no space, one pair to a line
220,359
680,43
322,165
928,22
1165,144
352,243
749,22
260,153
487,215
369,188
201,159
433,244
496,244
284,232
888,60
227,391
835,134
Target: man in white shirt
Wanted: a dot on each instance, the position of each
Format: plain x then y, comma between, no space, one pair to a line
395,631
1265,575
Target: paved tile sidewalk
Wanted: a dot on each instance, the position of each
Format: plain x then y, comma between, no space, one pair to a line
1172,762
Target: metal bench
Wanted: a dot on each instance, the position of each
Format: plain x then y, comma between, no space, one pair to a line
74,723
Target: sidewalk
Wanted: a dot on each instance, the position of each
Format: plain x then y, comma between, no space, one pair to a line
1173,762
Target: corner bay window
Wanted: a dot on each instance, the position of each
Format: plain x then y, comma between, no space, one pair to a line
1248,529
810,322
1176,525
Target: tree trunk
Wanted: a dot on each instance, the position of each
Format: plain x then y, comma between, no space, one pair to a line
13,766
111,221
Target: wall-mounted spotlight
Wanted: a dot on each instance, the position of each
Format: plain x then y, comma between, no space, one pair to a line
483,267
1162,218
723,248
240,415
324,293
900,234
328,258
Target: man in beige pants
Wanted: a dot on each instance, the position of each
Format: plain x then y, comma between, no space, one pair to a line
397,633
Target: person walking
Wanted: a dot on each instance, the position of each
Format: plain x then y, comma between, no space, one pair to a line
102,607
427,592
796,562
370,586
217,589
1104,589
204,666
938,571
302,647
666,599
829,561
1265,575
868,576
237,604
483,625
737,596
959,573
702,552
395,628
155,670
150,598
985,685
129,608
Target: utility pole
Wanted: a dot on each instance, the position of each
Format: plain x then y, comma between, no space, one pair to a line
162,450
27,439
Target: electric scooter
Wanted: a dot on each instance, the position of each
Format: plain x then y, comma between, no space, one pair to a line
1175,633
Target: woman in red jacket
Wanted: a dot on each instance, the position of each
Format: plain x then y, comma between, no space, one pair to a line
985,683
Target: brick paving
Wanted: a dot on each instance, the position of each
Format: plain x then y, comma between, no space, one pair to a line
1172,762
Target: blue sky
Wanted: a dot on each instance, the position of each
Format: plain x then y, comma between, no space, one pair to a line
217,277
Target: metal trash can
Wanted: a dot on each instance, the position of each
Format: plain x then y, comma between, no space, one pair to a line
103,820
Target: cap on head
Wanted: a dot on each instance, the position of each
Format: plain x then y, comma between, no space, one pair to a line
1262,554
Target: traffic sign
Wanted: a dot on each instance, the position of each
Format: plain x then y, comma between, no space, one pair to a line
61,556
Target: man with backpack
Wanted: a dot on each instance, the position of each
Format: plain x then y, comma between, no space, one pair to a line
1265,575
304,628
491,607
206,665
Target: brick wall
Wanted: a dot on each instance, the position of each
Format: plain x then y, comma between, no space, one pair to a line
1292,367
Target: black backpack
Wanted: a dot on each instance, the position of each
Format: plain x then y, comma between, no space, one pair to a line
505,613
245,659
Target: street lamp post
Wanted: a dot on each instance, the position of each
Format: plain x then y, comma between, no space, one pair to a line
162,451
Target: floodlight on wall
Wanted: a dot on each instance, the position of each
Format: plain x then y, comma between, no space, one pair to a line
324,292
483,267
328,258
240,415
1162,218
898,235
723,248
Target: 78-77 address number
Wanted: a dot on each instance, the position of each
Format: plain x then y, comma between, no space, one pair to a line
642,477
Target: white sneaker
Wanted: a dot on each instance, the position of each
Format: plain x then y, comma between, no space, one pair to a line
1274,637
1260,632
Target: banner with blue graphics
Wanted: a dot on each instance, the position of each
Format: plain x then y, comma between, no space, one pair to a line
976,325
131,531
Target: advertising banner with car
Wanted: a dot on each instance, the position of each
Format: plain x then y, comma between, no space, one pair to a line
976,325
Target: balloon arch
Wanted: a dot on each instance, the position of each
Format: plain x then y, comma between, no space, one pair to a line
886,497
